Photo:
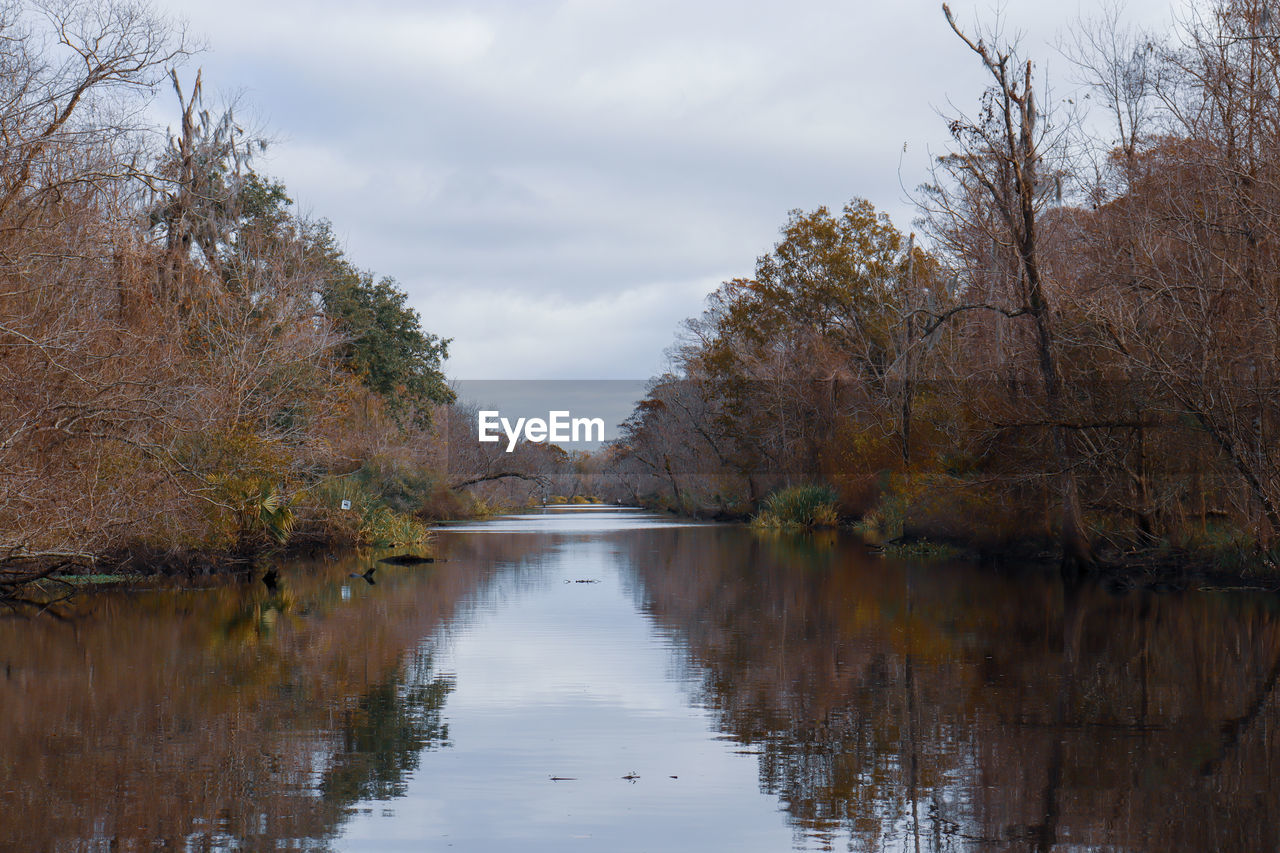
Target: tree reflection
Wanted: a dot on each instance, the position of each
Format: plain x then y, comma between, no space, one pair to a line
887,706
385,733
228,718
946,707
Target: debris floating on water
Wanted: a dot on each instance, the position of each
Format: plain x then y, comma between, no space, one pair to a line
407,560
367,577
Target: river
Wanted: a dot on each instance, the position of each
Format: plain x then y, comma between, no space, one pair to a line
608,680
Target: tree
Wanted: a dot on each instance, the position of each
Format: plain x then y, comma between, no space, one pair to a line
1182,253
998,186
782,369
61,63
817,331
386,346
77,385
203,178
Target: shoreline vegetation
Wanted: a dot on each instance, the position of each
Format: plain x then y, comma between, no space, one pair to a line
1076,359
194,372
1077,356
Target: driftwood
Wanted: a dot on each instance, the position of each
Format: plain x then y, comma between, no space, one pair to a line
20,568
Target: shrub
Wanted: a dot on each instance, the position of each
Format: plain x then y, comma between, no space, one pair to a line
884,523
369,521
484,508
444,504
403,488
253,495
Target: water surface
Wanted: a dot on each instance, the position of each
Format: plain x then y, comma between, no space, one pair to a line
603,679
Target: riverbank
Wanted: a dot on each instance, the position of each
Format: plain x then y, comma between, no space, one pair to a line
368,523
1223,564
1155,569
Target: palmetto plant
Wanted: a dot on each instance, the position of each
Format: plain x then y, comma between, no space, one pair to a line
259,506
275,515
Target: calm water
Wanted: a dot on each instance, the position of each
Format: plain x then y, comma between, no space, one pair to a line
604,680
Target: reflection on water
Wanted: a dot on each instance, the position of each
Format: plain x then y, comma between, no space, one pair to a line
942,708
217,719
603,680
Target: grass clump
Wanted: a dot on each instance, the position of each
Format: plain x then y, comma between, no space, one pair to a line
384,527
485,508
799,508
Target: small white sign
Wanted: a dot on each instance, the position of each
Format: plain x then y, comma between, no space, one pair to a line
346,504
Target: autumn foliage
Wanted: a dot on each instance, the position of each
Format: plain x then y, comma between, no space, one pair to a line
188,366
1082,348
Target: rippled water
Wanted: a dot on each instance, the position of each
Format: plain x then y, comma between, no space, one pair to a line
603,679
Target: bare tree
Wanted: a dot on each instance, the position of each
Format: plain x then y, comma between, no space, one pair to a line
997,185
64,66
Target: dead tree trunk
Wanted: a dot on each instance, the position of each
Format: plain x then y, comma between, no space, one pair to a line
1002,153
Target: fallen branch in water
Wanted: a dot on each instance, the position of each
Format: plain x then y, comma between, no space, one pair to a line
19,568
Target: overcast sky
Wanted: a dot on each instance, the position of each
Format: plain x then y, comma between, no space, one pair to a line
557,184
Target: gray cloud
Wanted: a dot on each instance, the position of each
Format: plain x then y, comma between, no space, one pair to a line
557,184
